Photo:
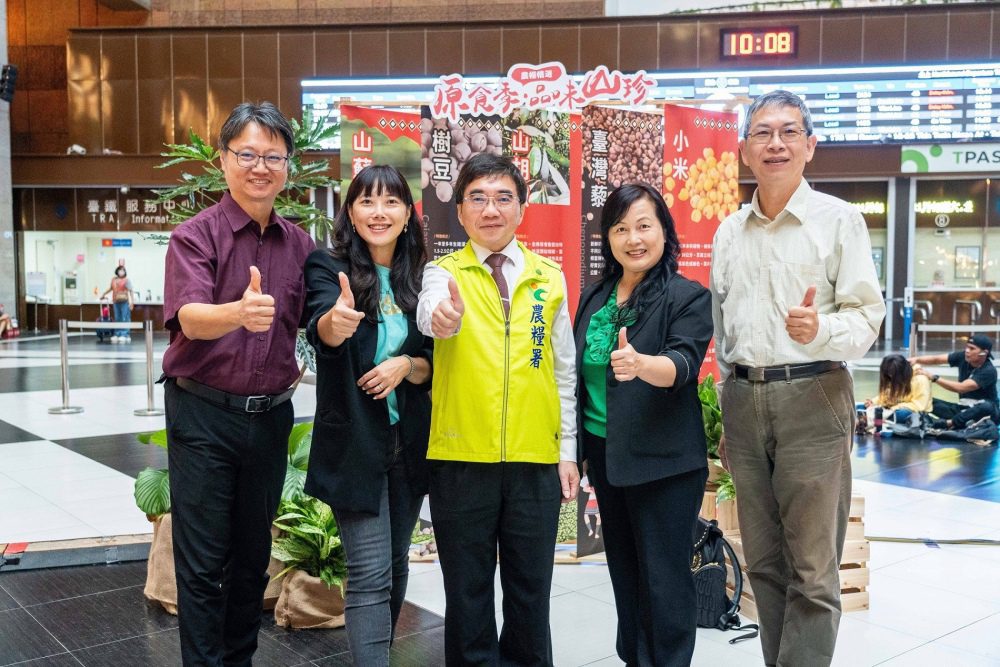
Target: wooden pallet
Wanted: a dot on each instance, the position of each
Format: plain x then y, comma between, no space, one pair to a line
854,573
724,512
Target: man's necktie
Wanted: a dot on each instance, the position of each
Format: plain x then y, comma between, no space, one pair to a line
496,262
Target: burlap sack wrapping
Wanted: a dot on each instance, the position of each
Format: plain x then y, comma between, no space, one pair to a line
306,602
161,581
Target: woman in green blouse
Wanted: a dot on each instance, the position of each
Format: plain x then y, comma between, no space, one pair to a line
641,334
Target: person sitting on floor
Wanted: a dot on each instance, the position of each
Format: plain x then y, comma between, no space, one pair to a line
976,385
900,387
5,321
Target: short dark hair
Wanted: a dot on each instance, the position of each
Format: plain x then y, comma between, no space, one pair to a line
484,165
122,269
616,207
778,98
264,114
409,257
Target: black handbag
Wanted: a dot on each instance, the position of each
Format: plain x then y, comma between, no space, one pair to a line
708,567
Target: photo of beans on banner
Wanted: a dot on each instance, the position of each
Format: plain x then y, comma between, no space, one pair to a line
618,147
541,143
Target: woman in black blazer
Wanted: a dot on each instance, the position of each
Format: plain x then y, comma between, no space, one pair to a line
368,459
641,334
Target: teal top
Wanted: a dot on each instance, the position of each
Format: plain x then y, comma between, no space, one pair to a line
602,340
392,330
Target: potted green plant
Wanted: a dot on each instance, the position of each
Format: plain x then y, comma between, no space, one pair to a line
315,566
711,415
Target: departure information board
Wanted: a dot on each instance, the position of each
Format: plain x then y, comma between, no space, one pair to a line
882,105
849,105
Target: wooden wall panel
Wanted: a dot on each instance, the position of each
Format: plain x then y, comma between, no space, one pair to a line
520,45
444,51
842,40
369,53
926,37
599,46
478,51
561,43
407,56
637,47
260,67
969,36
333,53
156,124
121,128
194,76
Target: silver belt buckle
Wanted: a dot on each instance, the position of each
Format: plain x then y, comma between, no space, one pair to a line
755,374
258,404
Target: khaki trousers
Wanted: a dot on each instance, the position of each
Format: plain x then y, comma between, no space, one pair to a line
789,445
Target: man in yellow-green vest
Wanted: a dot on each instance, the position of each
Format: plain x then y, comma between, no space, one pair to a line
503,421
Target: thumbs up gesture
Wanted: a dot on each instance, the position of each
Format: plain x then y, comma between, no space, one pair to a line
802,321
256,310
447,316
344,320
625,360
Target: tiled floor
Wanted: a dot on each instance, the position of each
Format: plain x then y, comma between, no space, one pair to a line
67,476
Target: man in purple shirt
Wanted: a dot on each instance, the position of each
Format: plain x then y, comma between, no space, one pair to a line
233,301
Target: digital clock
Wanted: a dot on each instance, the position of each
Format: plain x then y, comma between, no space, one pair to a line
739,43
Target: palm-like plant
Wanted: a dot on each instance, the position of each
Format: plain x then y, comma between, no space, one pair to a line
198,191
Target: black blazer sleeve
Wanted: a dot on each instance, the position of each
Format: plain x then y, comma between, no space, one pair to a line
352,440
322,291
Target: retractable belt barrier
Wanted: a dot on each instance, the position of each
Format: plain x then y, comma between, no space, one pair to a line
66,409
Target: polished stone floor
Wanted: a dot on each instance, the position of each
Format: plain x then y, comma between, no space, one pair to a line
70,476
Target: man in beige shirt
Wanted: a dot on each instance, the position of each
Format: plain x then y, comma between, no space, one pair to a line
794,296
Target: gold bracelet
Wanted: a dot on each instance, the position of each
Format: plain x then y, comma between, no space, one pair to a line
410,359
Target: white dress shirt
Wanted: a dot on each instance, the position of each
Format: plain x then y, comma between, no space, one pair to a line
762,267
435,289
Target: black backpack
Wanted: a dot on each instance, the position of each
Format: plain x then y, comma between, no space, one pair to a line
708,567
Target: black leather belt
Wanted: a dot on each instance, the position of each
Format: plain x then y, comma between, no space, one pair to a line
261,403
788,372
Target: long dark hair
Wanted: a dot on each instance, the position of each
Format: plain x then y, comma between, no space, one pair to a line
408,258
654,282
894,376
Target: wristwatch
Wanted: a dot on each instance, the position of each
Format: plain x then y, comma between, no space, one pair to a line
935,378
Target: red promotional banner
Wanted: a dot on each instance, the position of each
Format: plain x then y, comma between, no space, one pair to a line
380,136
541,144
546,145
700,185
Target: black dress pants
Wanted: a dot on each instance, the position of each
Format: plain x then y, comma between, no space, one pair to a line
648,531
479,510
226,473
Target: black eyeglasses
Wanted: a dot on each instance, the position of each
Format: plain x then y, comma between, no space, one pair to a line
249,159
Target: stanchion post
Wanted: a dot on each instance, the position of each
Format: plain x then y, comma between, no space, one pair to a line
65,408
907,318
150,410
